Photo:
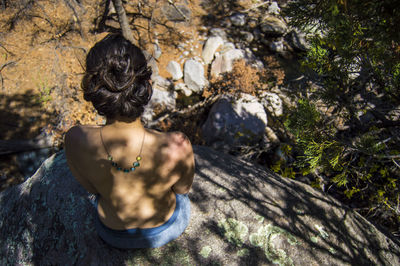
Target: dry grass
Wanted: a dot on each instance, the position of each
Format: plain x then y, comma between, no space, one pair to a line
247,79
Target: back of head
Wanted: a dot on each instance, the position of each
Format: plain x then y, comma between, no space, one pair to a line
117,79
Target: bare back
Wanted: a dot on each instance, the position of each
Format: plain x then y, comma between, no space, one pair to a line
143,198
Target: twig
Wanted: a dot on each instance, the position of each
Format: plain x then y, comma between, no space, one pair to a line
396,163
177,9
256,6
78,21
7,64
186,111
5,49
103,19
1,68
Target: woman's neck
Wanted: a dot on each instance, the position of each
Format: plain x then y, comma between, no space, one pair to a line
125,123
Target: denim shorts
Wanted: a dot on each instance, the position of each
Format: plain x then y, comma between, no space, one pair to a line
148,237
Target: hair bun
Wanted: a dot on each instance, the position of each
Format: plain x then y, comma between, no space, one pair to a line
118,74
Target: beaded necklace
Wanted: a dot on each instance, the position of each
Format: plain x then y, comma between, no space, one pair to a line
135,165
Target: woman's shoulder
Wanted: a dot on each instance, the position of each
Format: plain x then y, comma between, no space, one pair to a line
176,139
81,135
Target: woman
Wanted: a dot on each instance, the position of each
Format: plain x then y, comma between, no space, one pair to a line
141,177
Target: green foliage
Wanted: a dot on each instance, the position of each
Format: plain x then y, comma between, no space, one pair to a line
44,92
355,50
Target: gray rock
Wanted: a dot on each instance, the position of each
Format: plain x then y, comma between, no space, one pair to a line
214,32
298,41
162,101
252,59
194,75
183,88
238,19
28,162
157,51
272,102
227,46
274,9
174,68
161,83
241,214
211,46
234,122
276,46
252,23
224,62
172,14
248,37
152,63
273,26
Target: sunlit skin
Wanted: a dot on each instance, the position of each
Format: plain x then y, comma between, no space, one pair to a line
143,198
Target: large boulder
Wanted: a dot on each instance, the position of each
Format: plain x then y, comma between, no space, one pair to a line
161,101
242,214
235,122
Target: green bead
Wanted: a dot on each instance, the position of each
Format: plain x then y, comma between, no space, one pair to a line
138,158
110,158
136,164
119,168
126,170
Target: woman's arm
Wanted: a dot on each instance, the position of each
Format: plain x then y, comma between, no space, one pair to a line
185,165
72,140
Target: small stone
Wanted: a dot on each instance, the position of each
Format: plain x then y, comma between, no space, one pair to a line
183,88
273,26
238,19
210,48
252,23
298,41
276,46
175,70
224,62
274,8
214,32
247,36
194,75
157,51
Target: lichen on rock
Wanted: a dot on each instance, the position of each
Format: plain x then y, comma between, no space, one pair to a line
265,238
234,231
205,251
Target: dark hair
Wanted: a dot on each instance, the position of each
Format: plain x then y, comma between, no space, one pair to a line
117,79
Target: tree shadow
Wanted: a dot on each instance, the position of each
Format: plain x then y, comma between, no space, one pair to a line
55,220
293,207
22,116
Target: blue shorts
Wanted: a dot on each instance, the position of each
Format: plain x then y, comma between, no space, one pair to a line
148,237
